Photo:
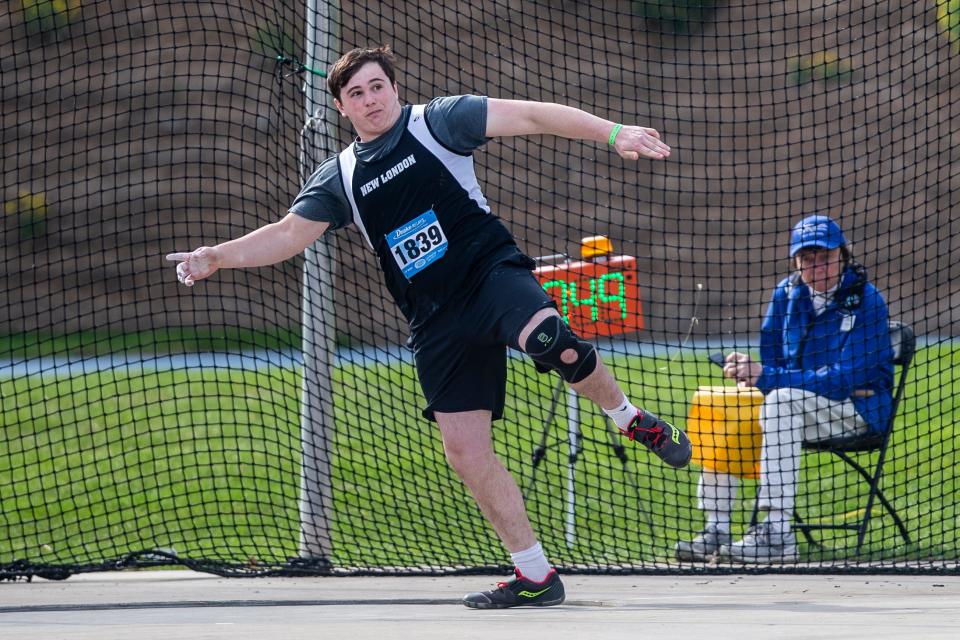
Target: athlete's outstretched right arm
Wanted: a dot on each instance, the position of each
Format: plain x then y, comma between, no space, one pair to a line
269,244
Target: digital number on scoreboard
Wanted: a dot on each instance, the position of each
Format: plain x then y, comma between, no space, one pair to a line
596,298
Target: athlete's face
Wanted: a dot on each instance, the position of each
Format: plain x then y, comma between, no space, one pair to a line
370,102
820,268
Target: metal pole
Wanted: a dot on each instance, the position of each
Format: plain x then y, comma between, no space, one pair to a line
316,412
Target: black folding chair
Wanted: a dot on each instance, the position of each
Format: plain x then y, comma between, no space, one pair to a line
903,341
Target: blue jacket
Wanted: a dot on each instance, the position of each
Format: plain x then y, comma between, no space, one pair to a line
845,348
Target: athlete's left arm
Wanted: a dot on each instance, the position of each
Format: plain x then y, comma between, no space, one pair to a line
521,118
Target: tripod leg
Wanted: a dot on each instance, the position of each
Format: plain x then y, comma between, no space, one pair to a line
541,450
574,437
616,444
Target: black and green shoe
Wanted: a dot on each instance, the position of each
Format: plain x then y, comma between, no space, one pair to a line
662,438
519,592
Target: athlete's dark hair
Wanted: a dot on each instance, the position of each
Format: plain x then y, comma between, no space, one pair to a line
350,62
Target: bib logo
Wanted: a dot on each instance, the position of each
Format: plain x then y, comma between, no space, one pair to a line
409,228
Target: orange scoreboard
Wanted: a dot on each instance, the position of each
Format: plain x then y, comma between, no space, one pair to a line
596,297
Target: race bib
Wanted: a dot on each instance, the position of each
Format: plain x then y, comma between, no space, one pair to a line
417,244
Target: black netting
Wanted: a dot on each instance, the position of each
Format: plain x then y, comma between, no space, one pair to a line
147,423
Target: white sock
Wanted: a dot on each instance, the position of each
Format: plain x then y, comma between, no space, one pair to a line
623,413
720,520
532,563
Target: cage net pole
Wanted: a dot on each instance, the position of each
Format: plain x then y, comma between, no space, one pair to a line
316,412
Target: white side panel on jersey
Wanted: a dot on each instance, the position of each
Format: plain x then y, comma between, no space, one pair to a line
348,163
460,166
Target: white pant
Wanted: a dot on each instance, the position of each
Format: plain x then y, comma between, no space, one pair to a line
788,417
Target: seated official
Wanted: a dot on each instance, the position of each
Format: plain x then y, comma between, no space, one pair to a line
826,371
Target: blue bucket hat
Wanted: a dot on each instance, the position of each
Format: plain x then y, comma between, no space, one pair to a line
816,231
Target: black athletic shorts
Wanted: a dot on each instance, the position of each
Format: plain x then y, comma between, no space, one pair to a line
461,353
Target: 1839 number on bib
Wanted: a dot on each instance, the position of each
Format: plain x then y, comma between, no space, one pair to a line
417,244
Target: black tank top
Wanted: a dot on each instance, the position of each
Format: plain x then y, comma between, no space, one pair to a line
421,210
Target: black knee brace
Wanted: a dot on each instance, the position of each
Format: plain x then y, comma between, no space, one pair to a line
551,338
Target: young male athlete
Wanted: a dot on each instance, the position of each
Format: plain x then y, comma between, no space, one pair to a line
466,289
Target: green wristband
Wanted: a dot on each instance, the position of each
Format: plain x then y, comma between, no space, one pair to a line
613,133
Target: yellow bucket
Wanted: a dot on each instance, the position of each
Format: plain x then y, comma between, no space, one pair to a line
724,428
